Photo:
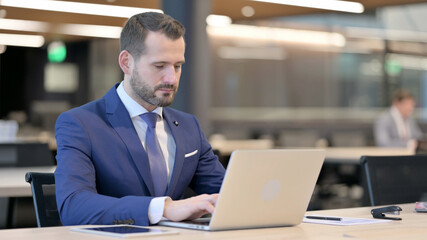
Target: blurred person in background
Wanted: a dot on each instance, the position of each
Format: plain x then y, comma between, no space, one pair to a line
396,127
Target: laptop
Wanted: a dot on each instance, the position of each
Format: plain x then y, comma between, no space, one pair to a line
262,188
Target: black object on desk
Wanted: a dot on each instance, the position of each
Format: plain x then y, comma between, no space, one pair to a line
380,212
324,218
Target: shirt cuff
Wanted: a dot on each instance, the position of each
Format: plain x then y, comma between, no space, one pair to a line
155,209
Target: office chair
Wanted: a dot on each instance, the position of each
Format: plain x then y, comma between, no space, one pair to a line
394,179
44,197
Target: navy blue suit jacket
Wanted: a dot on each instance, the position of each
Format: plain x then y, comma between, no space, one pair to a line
103,174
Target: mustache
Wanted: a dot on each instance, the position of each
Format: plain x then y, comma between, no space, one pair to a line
165,86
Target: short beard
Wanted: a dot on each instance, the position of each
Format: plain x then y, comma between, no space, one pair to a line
145,93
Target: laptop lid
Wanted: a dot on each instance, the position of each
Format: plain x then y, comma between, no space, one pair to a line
264,188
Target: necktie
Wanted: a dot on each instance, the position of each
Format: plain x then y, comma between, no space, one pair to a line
155,155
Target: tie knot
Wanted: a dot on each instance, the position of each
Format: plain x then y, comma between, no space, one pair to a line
150,118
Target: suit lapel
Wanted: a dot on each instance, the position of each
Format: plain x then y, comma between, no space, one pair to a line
179,154
119,119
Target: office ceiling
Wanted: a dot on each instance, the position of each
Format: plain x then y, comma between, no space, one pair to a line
230,8
266,10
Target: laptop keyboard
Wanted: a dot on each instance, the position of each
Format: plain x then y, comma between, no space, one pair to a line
200,221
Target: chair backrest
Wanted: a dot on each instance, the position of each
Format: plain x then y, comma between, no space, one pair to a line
44,196
394,179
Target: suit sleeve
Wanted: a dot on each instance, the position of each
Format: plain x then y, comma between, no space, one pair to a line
416,130
75,177
210,172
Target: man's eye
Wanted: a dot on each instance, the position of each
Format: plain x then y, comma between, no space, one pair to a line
177,67
159,66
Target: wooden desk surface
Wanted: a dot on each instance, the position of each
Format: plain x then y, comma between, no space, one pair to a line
413,226
12,180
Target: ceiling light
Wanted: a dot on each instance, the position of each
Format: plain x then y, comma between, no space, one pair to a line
89,30
248,11
335,5
77,7
24,25
218,20
21,40
270,34
3,13
65,28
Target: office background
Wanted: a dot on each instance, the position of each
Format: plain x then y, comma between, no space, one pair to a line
300,77
242,87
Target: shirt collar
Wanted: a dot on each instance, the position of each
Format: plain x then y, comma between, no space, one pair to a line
396,114
132,106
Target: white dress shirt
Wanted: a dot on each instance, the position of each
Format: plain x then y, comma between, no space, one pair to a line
166,141
402,125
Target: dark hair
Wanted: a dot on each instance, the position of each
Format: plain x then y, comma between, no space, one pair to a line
137,27
402,94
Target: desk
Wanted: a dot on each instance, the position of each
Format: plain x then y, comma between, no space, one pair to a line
226,147
413,226
342,155
351,155
12,180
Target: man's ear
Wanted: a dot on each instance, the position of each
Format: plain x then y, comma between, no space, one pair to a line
126,62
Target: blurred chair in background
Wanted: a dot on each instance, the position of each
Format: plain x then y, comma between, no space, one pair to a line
394,179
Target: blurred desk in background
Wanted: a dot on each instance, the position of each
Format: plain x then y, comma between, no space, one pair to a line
12,180
226,147
351,155
25,154
16,204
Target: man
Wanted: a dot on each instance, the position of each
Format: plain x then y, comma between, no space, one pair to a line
396,128
115,165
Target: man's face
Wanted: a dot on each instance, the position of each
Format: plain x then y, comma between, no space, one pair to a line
406,107
155,77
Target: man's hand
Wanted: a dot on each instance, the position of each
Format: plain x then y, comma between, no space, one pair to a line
190,208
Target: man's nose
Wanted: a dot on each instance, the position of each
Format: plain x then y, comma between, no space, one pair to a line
170,76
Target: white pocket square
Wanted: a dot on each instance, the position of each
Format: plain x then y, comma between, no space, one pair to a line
191,154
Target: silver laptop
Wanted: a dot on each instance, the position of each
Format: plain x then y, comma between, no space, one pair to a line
263,188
